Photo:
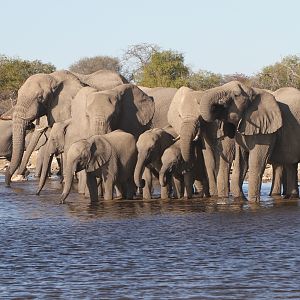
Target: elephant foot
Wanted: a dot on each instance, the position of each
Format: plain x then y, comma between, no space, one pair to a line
240,198
292,196
254,199
199,194
274,194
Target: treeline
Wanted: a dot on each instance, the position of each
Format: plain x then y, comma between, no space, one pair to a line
148,65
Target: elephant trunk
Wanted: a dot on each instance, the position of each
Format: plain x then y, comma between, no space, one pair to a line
68,179
188,131
138,171
45,169
211,99
32,144
19,131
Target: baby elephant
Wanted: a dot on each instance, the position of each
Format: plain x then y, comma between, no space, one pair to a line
111,157
173,165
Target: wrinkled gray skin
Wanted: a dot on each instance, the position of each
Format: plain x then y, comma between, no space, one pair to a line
173,165
162,98
96,112
104,157
151,146
287,96
31,144
51,95
264,129
37,141
218,149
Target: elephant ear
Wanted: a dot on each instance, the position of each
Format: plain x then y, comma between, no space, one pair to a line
262,116
136,108
101,152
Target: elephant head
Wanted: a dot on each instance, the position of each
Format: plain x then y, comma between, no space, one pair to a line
125,107
55,145
184,117
150,145
90,154
252,111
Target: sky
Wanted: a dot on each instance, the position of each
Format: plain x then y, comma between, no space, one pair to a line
222,36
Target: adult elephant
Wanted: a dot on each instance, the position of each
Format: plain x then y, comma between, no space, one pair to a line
163,97
267,130
218,149
96,112
51,95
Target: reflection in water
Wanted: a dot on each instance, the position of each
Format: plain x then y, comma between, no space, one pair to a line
198,248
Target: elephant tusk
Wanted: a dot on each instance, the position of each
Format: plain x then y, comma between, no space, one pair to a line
41,129
177,138
5,118
196,137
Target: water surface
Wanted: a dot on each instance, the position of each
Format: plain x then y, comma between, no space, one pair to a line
158,249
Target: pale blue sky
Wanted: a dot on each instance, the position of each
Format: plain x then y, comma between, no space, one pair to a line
224,36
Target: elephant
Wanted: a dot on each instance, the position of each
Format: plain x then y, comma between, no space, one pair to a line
218,148
162,97
50,95
96,112
266,131
174,169
111,156
151,146
173,165
279,182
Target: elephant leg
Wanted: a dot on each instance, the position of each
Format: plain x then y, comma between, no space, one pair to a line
164,192
108,189
292,180
210,166
178,186
92,187
100,187
240,168
147,189
284,181
276,179
59,163
39,161
188,184
223,178
130,189
201,181
81,181
258,157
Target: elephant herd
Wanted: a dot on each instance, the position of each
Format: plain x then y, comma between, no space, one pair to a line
119,136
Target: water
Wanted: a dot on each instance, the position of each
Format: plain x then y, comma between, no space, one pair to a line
158,249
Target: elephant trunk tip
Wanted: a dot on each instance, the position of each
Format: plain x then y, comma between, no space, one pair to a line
140,183
38,191
8,178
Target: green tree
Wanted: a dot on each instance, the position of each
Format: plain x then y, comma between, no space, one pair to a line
13,73
166,69
203,80
281,74
88,65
